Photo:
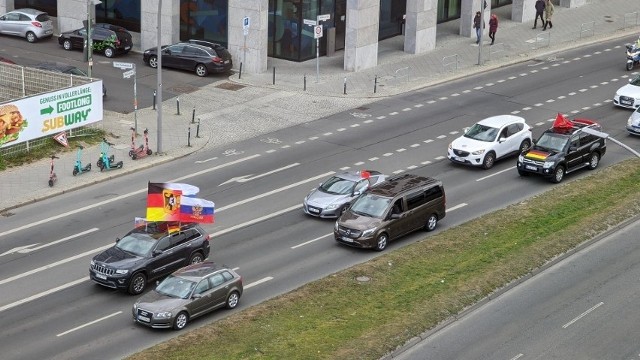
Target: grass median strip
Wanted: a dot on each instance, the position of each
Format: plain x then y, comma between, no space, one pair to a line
414,288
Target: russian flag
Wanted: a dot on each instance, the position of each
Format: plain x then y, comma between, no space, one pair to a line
196,210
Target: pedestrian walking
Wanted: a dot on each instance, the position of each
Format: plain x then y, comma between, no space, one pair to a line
493,27
548,13
476,25
539,13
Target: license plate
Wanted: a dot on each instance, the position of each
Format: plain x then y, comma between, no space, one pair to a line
127,47
347,239
143,318
226,61
529,167
100,276
625,102
48,32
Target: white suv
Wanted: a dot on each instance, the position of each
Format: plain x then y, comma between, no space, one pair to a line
491,139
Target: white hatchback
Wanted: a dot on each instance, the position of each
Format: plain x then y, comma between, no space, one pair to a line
491,139
628,96
28,23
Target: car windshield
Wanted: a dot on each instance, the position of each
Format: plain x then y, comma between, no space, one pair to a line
370,205
635,81
139,244
481,133
552,142
337,186
177,287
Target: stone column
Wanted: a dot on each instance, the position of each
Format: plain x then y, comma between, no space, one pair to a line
6,6
468,12
420,26
361,39
572,3
523,10
256,38
170,22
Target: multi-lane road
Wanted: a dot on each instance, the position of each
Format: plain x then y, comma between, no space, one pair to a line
51,310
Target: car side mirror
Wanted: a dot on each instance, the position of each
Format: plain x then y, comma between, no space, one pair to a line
357,193
394,216
197,296
502,139
168,52
117,239
573,148
156,252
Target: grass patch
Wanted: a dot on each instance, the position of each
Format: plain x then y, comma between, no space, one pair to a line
91,137
414,288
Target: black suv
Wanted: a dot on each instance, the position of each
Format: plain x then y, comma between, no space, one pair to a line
147,253
108,39
66,69
563,149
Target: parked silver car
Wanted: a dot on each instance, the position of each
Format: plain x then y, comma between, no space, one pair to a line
188,293
30,24
334,196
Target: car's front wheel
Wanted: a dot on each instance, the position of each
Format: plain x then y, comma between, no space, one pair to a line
524,146
381,242
31,37
109,52
153,61
594,161
431,223
233,299
181,321
201,70
489,160
138,284
558,174
67,45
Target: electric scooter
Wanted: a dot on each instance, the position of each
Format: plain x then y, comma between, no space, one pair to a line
142,150
77,168
52,175
107,162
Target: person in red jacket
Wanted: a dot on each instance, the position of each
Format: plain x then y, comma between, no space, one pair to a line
493,27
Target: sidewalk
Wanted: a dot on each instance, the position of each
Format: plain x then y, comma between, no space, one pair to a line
237,109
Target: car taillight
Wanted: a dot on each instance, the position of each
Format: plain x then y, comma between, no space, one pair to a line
207,237
36,24
216,60
117,42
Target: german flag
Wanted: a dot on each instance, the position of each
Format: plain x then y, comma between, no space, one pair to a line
163,203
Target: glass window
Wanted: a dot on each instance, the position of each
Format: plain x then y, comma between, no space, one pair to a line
48,6
205,20
202,286
391,15
216,280
125,13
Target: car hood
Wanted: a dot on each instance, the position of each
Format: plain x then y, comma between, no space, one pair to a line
354,221
629,90
116,258
153,49
467,144
156,302
538,154
322,199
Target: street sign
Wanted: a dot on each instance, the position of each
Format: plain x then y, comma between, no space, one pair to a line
61,138
317,32
246,22
245,31
324,17
122,65
309,22
128,74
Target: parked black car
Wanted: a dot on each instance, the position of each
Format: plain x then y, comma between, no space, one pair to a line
147,253
66,69
108,39
193,57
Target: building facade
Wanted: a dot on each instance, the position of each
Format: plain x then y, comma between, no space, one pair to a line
282,28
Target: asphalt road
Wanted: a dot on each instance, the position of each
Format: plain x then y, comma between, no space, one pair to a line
119,90
51,310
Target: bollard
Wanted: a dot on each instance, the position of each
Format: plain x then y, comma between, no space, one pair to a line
198,129
189,137
154,99
345,85
305,82
178,105
274,75
240,73
193,115
375,84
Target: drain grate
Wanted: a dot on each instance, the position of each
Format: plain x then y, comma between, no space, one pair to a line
183,89
230,86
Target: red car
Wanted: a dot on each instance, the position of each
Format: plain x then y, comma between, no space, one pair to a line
5,60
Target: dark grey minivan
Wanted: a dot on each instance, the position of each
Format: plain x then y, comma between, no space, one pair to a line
396,207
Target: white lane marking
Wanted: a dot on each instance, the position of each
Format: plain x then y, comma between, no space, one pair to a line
461,205
120,197
275,191
582,315
28,248
207,160
494,174
517,357
263,280
53,264
89,323
310,241
245,178
44,293
256,220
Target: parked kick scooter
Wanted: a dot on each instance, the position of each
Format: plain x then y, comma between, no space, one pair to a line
106,162
104,148
77,168
142,150
52,175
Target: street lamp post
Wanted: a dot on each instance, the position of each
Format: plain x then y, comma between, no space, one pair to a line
89,42
159,80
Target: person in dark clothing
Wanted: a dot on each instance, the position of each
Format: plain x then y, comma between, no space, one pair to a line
539,13
493,27
476,25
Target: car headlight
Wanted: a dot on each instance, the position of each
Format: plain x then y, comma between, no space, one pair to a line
478,152
93,262
520,158
332,206
335,226
450,146
547,164
368,232
135,307
122,272
163,315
